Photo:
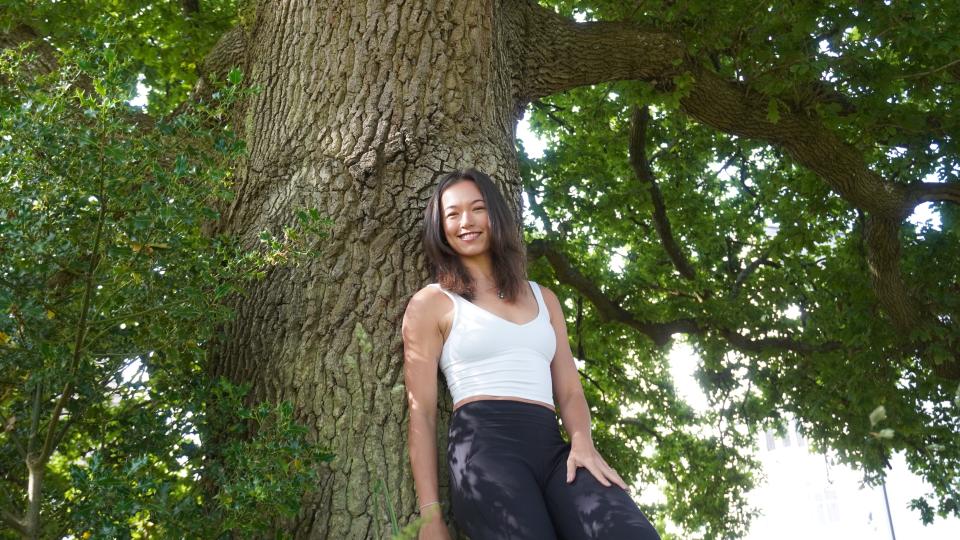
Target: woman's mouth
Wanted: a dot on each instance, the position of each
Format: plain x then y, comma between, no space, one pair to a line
469,237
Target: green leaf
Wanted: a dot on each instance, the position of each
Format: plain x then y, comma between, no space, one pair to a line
235,76
773,112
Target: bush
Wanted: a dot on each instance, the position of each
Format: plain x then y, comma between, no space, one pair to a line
110,290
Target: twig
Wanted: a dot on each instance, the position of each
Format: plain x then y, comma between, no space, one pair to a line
932,71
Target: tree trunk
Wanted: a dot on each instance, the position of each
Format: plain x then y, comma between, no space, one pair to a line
363,106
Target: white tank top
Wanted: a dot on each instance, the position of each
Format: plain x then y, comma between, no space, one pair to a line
486,354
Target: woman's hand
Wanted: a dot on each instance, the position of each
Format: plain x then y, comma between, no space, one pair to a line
583,454
435,528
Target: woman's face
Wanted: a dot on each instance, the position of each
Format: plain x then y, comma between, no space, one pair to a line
465,221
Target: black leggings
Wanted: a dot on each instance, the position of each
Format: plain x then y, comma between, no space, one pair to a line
508,469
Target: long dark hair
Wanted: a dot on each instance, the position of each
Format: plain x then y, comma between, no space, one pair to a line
506,250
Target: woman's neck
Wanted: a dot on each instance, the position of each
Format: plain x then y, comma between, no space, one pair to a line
480,269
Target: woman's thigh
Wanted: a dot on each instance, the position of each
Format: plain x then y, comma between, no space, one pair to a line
586,509
494,498
495,455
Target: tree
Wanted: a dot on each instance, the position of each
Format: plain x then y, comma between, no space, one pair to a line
750,166
110,291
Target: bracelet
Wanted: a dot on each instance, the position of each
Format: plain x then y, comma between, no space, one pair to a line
428,504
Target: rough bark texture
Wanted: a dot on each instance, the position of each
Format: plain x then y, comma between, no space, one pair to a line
363,106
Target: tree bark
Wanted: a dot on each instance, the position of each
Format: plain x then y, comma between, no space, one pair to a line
363,107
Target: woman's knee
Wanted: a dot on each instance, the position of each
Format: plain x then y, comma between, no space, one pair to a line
586,509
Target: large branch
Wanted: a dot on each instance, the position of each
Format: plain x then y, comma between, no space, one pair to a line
922,192
641,168
881,236
659,332
557,54
732,107
562,54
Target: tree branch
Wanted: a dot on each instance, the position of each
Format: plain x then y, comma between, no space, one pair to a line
746,272
575,54
659,332
82,327
932,71
558,54
642,425
539,212
9,429
13,522
641,168
561,54
922,192
882,242
742,172
732,107
551,115
607,309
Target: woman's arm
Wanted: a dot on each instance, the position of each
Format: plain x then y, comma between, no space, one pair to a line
568,393
422,344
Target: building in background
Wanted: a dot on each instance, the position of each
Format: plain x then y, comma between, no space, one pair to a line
807,495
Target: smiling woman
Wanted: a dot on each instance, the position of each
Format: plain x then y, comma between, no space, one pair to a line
472,222
501,342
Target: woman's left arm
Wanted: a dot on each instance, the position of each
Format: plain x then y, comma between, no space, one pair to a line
568,393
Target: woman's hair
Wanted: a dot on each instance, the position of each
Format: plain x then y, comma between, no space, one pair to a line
506,251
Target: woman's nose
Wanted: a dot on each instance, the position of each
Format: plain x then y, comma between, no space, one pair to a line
466,219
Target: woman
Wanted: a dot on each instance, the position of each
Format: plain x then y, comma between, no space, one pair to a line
501,342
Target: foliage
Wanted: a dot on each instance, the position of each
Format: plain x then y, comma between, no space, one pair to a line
110,289
776,253
162,42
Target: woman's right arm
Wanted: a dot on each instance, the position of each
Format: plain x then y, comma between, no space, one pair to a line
422,344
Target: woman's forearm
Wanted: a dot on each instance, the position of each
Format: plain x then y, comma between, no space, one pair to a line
576,417
422,444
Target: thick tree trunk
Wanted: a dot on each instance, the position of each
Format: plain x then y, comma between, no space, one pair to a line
364,105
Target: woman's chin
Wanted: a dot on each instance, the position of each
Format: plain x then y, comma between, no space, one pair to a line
472,251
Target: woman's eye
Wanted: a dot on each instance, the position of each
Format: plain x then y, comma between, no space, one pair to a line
477,209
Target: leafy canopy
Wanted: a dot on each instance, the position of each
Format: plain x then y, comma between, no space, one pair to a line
774,253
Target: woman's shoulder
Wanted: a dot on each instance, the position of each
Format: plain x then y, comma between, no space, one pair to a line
428,308
431,299
551,300
546,293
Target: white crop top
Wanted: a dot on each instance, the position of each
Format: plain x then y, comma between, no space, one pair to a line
486,354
